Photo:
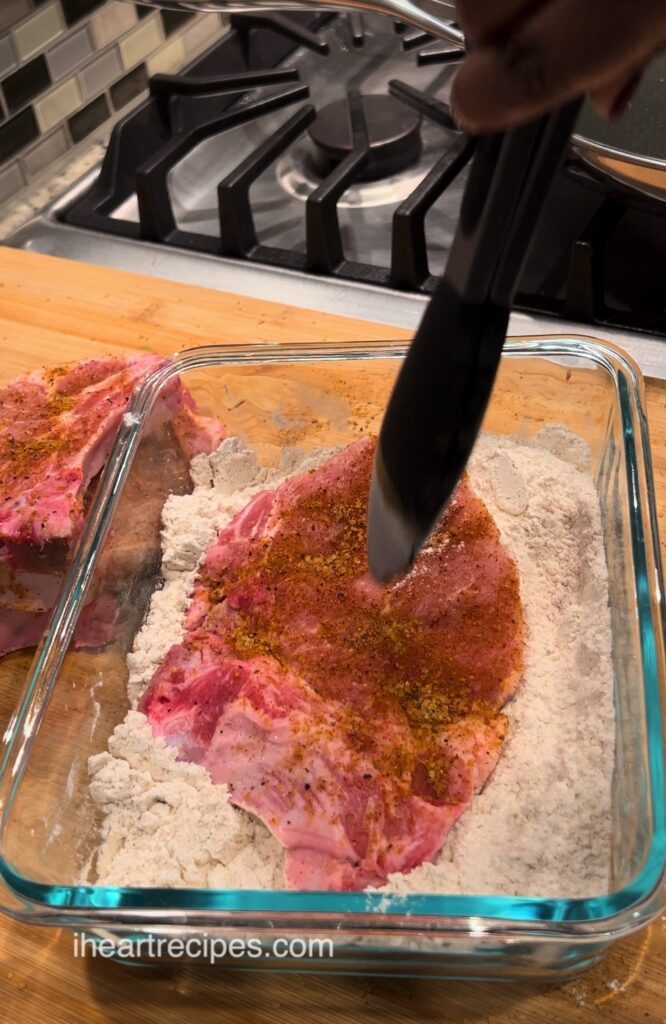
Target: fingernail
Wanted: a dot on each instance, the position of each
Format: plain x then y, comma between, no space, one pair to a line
624,96
456,118
453,104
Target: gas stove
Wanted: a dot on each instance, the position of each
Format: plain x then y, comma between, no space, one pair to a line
313,159
256,153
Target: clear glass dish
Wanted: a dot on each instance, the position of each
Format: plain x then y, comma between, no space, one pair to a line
329,393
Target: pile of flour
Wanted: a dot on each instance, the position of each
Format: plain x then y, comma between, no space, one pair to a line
541,827
165,823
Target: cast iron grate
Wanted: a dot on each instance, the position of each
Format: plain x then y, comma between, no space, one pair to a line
324,251
185,109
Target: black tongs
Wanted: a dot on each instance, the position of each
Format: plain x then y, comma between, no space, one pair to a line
440,397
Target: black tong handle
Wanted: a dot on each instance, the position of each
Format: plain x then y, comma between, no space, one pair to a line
439,399
509,178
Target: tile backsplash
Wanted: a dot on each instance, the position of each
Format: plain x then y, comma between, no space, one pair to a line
68,68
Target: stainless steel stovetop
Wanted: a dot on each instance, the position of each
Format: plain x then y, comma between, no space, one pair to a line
279,194
278,198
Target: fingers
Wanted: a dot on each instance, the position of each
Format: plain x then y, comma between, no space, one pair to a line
564,48
482,21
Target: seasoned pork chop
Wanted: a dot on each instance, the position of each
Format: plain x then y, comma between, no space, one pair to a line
57,427
356,721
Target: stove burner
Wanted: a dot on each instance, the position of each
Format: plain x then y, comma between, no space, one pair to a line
393,131
166,159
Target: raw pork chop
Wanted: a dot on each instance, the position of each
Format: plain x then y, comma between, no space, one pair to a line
95,627
356,721
57,427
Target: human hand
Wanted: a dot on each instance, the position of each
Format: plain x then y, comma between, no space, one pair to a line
529,56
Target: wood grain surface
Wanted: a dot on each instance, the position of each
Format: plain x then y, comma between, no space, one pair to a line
51,311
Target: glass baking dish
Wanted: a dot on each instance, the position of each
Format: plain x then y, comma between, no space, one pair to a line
329,394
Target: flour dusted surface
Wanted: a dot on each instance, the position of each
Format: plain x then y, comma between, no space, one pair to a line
166,824
541,827
224,482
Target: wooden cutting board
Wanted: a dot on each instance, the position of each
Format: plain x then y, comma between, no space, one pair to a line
54,310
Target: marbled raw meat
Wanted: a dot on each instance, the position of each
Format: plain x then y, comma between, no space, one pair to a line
57,426
356,721
95,627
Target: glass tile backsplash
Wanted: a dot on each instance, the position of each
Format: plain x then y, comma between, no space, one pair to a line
69,67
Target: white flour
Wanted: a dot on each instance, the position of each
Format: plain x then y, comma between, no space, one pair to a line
224,482
542,825
166,823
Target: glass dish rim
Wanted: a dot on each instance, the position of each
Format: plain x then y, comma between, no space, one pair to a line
618,912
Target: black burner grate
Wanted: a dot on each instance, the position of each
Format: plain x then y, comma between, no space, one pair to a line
211,109
155,211
183,110
166,88
324,252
